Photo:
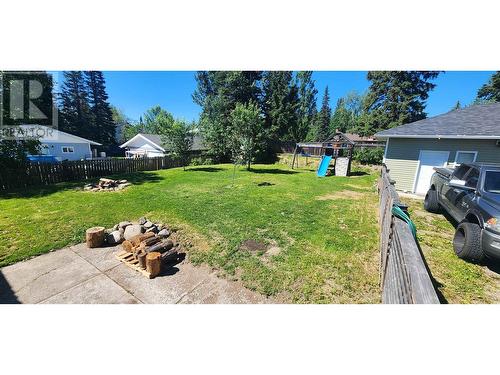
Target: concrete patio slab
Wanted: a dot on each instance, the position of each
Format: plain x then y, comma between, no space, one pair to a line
81,275
42,277
99,289
102,258
169,287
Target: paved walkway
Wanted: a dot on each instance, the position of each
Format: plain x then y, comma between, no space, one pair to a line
80,275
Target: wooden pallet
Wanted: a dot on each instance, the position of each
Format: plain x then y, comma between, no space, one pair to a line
128,259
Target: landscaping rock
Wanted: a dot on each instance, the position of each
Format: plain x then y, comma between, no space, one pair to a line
124,224
121,230
116,227
153,229
143,220
132,230
164,233
148,224
115,237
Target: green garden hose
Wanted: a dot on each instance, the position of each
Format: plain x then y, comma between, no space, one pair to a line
398,212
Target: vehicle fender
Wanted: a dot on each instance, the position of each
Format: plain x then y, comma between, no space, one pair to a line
476,213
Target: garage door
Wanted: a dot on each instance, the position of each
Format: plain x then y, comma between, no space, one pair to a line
427,161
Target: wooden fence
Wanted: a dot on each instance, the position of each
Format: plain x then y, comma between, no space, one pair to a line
35,174
404,276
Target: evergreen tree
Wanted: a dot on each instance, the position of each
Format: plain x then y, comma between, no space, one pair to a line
457,106
347,113
280,104
306,109
396,97
74,114
218,93
490,92
101,125
324,117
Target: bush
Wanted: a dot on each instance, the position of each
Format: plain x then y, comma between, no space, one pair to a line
372,155
201,160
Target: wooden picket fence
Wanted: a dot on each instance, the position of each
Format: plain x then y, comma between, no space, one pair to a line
404,276
36,174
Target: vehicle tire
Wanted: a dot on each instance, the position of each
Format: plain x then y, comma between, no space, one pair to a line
431,203
467,242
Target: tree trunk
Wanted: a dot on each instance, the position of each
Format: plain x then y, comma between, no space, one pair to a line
141,257
169,255
136,240
128,246
95,236
161,247
153,263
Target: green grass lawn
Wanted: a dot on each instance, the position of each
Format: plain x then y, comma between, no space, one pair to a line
321,234
458,281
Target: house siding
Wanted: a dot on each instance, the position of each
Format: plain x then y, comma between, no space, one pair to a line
81,150
402,155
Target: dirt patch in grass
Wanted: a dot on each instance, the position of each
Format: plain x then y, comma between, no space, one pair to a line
349,194
252,246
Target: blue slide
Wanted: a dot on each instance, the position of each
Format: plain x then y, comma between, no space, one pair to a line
323,165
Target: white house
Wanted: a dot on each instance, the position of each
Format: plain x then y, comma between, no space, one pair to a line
150,145
59,144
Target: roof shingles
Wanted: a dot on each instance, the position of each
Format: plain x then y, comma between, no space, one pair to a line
476,121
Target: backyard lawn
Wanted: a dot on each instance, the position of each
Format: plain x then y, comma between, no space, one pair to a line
458,281
282,232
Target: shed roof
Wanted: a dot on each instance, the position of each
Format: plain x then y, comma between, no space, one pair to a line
480,121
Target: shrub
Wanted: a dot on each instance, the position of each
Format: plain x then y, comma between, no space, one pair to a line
373,155
201,160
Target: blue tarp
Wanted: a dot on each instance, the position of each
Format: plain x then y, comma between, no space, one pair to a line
43,159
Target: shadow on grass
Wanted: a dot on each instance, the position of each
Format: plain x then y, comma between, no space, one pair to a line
272,171
204,169
359,173
136,178
6,293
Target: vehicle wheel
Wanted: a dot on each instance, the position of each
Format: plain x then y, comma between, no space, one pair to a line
431,203
467,242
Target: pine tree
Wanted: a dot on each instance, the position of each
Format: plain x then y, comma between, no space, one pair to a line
306,109
457,105
324,117
280,104
490,92
396,97
74,114
102,126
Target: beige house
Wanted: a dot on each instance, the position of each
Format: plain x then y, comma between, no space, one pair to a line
463,135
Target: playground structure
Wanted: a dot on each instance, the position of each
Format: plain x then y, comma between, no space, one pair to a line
338,148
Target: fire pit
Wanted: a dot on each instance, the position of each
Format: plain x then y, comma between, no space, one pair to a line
106,184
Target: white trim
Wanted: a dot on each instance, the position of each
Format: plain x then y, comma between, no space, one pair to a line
143,137
437,136
417,172
465,151
68,148
385,151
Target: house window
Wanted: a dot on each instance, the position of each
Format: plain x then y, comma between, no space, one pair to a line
465,157
67,149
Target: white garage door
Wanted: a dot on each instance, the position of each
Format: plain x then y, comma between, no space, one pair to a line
427,161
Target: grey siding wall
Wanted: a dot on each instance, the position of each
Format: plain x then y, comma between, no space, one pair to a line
82,150
402,155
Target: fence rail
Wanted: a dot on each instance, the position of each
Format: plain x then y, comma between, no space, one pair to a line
404,276
36,174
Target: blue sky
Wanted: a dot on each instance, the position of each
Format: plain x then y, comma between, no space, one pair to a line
135,92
